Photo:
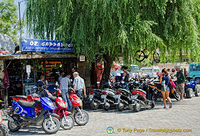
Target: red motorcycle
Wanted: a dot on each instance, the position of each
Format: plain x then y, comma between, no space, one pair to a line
66,120
81,117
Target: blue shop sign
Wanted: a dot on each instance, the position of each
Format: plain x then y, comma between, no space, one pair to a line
46,45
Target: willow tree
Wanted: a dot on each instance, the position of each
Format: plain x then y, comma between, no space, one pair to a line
116,27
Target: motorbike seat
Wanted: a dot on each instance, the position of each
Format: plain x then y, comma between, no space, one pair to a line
141,91
27,104
53,98
21,96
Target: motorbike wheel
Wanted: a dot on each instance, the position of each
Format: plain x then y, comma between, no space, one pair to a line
152,104
49,127
197,91
106,106
120,107
3,130
137,107
12,126
176,95
189,93
94,105
67,124
81,120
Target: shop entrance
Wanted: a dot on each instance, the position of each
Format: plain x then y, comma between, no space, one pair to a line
21,82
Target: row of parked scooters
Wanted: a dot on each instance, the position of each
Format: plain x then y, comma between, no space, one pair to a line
46,110
134,95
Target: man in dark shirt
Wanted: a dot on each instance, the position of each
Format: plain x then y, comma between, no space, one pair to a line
180,83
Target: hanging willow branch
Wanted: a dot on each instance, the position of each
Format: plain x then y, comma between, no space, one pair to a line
119,27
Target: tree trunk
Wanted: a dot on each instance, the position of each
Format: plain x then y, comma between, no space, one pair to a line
107,66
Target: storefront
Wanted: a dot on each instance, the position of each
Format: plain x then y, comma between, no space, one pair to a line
25,69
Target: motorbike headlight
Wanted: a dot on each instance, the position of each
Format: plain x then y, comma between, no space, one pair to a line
62,104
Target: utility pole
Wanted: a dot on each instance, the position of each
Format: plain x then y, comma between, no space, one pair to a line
20,24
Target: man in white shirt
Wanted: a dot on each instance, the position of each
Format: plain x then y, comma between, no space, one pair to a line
64,83
79,85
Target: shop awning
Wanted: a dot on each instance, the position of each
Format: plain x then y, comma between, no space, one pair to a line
37,56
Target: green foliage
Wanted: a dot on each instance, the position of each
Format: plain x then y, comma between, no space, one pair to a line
8,19
119,27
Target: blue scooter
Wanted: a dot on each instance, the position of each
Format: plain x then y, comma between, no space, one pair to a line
191,87
23,114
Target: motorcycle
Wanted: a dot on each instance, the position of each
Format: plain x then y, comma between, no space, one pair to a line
126,100
140,96
3,128
191,88
96,98
23,113
155,91
81,117
110,95
66,120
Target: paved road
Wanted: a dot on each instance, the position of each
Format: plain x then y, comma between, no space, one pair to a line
184,115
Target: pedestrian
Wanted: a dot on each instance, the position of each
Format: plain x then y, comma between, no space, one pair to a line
79,85
173,74
64,84
180,83
125,77
41,83
72,71
165,90
62,73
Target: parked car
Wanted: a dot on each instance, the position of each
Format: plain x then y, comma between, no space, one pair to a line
134,71
151,72
194,72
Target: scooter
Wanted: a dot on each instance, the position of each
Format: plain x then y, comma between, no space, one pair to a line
155,91
191,88
3,128
140,96
96,98
66,120
81,117
23,114
125,99
111,99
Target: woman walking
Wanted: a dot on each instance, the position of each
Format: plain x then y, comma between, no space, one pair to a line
164,81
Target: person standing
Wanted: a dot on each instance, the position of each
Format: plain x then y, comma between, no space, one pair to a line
79,85
62,73
41,83
173,74
165,90
72,71
180,83
64,83
125,77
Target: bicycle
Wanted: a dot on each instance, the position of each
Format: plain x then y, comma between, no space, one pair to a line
141,56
